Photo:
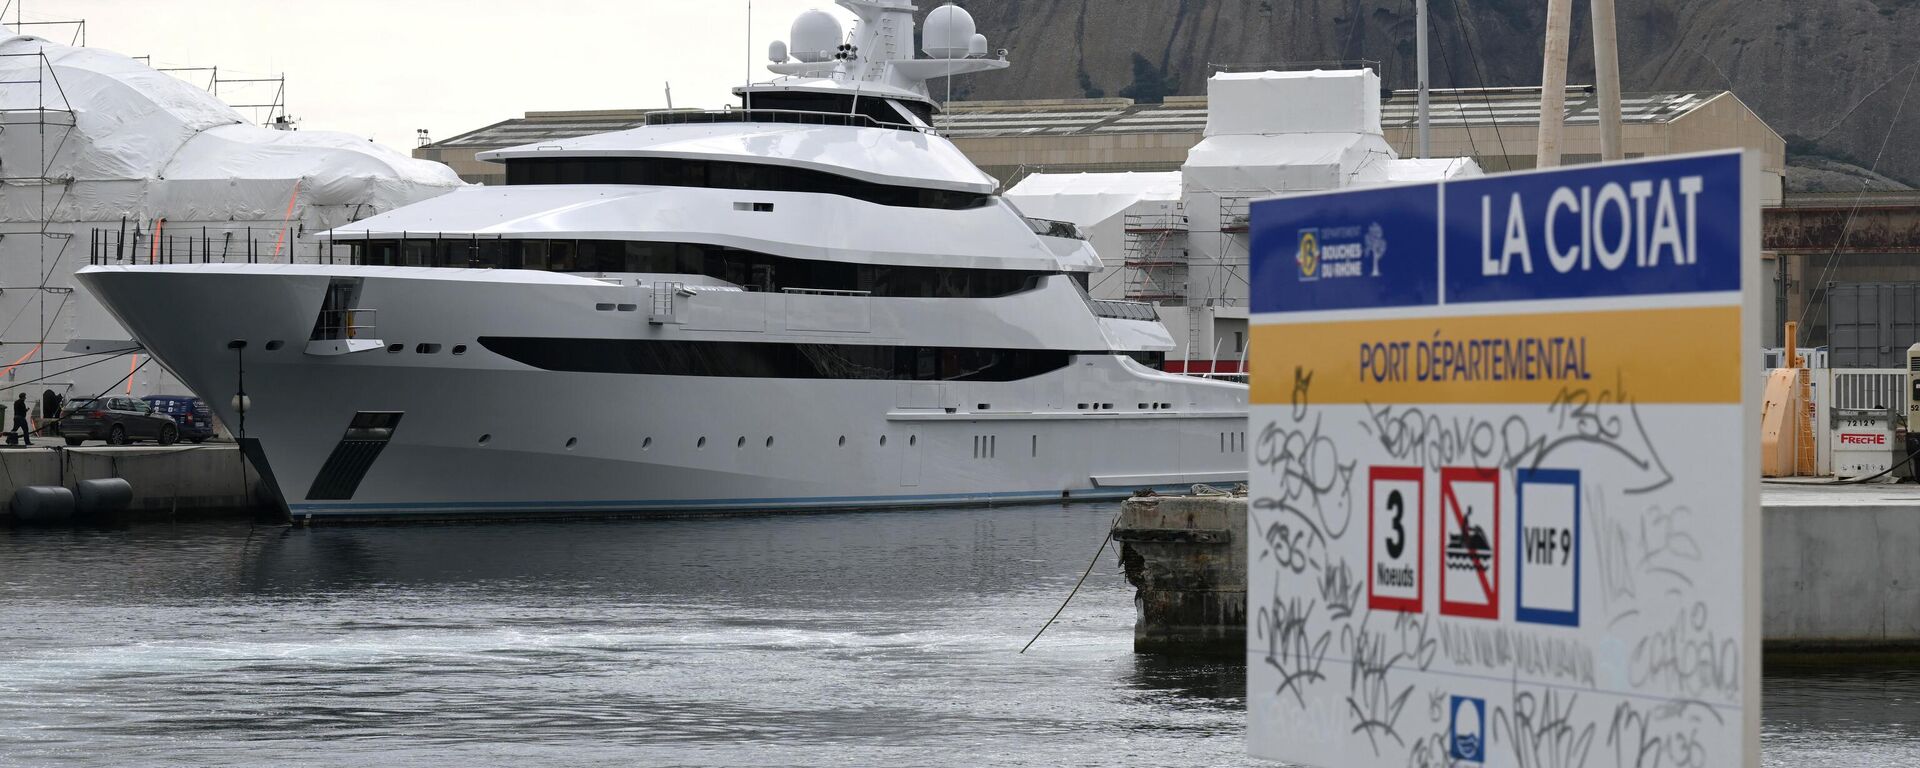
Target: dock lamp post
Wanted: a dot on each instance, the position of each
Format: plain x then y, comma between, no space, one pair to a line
241,403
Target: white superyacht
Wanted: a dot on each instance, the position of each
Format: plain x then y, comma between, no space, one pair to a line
813,301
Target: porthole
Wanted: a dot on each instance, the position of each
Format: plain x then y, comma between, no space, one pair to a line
647,443
702,443
843,441
913,439
487,438
427,349
459,349
395,347
740,443
275,345
883,441
571,442
769,441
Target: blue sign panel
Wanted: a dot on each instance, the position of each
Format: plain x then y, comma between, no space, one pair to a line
1467,735
1364,248
1665,226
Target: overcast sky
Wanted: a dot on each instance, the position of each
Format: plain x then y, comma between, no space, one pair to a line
384,68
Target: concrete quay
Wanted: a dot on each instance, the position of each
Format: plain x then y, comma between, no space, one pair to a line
1840,570
210,479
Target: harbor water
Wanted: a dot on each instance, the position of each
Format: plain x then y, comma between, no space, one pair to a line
880,638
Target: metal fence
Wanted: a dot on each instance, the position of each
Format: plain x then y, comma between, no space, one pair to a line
1870,389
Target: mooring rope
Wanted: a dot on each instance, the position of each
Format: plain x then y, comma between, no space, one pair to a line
1076,585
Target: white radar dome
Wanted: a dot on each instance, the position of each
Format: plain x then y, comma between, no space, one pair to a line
814,36
947,33
977,46
777,51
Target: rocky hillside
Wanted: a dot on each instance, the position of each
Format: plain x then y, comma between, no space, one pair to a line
1828,75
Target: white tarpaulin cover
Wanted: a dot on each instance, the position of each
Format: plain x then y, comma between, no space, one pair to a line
93,143
1344,101
1086,199
190,156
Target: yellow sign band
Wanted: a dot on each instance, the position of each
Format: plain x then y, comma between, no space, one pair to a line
1683,355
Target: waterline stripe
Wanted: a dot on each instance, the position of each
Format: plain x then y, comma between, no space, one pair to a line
804,501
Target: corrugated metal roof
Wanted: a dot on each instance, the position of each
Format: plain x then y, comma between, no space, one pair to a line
1503,106
1500,106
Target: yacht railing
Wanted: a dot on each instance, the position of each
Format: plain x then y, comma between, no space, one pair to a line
825,292
796,116
338,324
154,243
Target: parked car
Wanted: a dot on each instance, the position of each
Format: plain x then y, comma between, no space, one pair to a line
117,420
190,413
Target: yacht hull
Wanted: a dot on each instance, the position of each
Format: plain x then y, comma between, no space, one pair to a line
479,435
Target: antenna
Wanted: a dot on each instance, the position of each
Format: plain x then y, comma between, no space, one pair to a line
669,94
748,89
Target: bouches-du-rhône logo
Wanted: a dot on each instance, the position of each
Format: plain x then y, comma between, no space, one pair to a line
1309,257
1329,253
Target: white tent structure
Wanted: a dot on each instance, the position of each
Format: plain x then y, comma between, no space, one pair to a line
102,157
1100,204
1270,134
1185,241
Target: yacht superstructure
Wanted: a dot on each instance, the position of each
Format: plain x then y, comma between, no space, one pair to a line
810,301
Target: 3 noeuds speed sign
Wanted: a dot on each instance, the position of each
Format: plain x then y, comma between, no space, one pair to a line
1481,401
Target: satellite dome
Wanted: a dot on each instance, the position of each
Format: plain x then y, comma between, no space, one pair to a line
948,32
777,52
813,36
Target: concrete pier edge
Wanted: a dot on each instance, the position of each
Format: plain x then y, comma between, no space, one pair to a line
206,480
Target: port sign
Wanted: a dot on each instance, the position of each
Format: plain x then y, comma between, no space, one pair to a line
1481,528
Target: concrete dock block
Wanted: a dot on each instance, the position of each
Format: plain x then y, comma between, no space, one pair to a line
1186,557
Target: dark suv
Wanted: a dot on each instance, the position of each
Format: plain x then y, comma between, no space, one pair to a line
190,413
117,420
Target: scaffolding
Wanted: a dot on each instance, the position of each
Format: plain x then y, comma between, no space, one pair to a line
77,34
209,78
1156,255
36,135
1234,255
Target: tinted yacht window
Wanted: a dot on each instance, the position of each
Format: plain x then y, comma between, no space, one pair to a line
718,174
777,360
750,269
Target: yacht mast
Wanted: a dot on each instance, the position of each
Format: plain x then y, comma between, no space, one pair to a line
1606,78
1553,83
1420,37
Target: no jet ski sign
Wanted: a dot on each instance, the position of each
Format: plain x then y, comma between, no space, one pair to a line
1505,491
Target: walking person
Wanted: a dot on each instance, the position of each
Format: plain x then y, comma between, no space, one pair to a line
20,419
